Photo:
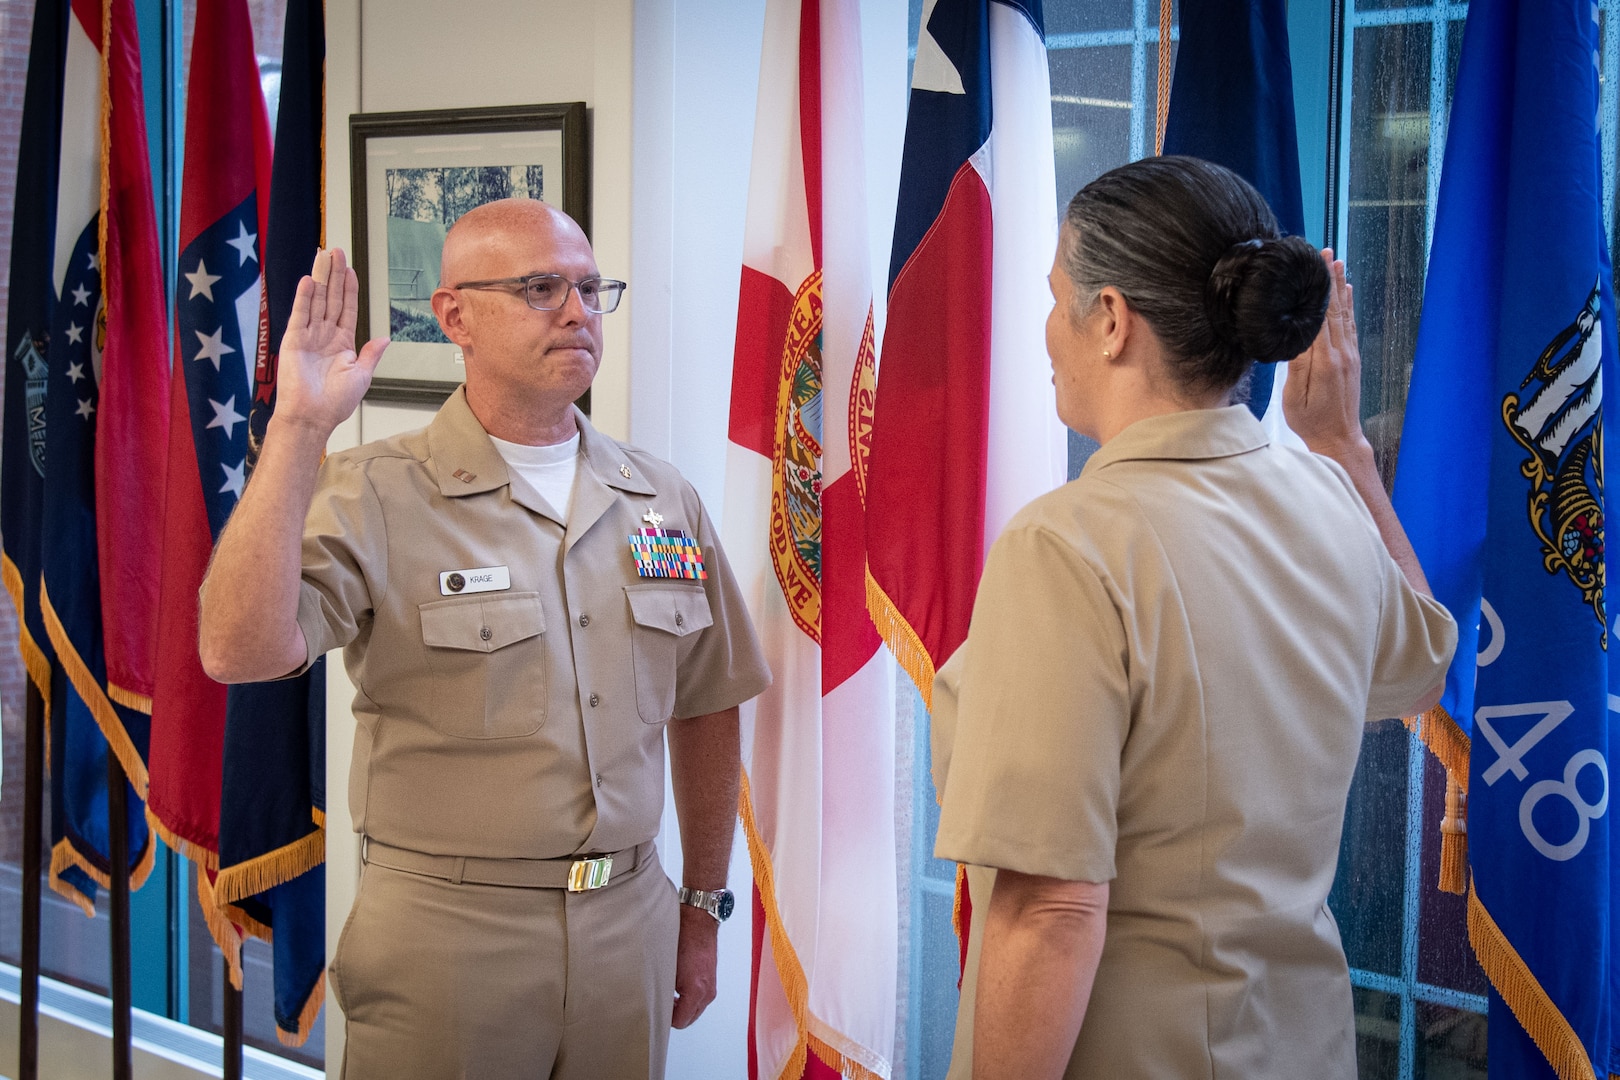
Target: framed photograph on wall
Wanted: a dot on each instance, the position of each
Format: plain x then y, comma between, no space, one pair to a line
414,174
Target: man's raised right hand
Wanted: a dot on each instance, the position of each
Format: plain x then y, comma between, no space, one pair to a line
320,379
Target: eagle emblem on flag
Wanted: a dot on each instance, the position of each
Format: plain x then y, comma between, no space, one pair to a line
1560,424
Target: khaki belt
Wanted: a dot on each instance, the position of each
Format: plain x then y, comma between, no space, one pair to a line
576,875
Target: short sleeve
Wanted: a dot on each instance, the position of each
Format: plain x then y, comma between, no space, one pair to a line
725,667
1416,640
1042,714
344,558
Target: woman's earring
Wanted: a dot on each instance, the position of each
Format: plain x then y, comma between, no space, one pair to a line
1107,355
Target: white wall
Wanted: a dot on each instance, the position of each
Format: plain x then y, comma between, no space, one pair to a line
671,86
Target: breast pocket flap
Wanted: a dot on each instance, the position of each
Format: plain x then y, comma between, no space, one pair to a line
678,610
482,625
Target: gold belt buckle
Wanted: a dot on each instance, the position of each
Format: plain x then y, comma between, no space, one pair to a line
588,874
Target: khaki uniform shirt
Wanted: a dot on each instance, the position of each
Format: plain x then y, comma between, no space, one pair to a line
1164,686
525,721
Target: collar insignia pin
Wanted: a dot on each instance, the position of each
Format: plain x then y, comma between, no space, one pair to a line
653,518
624,471
464,476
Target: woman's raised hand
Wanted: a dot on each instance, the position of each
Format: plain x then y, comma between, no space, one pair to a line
1322,397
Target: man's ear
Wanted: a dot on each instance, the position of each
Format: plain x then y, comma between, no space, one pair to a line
452,318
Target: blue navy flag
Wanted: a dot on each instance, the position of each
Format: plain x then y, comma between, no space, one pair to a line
1232,102
29,311
1500,485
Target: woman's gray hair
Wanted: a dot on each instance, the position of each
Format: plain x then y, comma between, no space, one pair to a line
1195,250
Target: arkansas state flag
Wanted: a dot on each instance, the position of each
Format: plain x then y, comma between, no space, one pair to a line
219,307
966,430
818,795
272,845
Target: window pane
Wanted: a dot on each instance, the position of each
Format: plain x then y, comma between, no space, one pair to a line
1378,1034
1367,896
1450,1043
1091,15
1388,216
1091,114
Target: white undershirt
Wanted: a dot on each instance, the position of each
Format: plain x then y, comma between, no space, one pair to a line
548,469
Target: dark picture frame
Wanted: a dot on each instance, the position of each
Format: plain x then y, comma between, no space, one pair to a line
412,174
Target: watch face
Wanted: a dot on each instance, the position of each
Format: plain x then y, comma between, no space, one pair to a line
726,902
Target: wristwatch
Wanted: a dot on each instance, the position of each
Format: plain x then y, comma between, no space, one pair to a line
718,903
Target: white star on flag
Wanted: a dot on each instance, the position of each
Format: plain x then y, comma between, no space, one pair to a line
75,333
75,372
202,282
94,263
81,296
86,407
225,416
213,346
234,479
244,244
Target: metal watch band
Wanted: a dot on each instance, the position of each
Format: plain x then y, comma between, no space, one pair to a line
712,902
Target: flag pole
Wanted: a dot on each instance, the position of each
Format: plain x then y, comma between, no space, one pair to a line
118,902
33,802
233,1025
1336,32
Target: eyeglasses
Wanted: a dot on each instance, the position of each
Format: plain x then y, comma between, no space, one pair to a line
548,292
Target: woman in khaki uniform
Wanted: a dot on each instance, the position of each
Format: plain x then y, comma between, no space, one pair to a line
1158,709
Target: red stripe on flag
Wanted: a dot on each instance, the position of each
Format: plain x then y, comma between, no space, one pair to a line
762,325
133,414
848,638
925,511
188,703
810,117
227,166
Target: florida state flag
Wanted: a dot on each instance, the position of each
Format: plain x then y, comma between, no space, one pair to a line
818,799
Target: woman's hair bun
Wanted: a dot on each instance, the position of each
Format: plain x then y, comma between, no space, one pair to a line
1266,298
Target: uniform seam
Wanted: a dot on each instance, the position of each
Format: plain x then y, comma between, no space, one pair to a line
1203,716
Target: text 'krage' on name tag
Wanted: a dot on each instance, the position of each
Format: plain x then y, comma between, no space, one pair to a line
478,579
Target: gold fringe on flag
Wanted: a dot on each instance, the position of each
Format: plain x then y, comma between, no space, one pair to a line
306,1018
1440,733
129,699
897,633
788,968
62,857
95,699
265,872
225,933
186,848
1531,1006
39,668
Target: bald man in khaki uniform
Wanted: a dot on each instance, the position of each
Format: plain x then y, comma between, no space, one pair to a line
524,605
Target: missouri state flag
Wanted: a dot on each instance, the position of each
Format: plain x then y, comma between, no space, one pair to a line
818,801
1500,485
219,310
966,429
106,416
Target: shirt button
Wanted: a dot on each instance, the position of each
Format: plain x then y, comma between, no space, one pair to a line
484,633
679,620
584,620
594,701
598,779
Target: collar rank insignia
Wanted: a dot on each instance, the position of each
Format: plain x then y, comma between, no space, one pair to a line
667,553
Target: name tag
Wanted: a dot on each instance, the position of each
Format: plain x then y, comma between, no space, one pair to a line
479,579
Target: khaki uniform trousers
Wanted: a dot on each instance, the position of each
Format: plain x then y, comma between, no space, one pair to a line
460,981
